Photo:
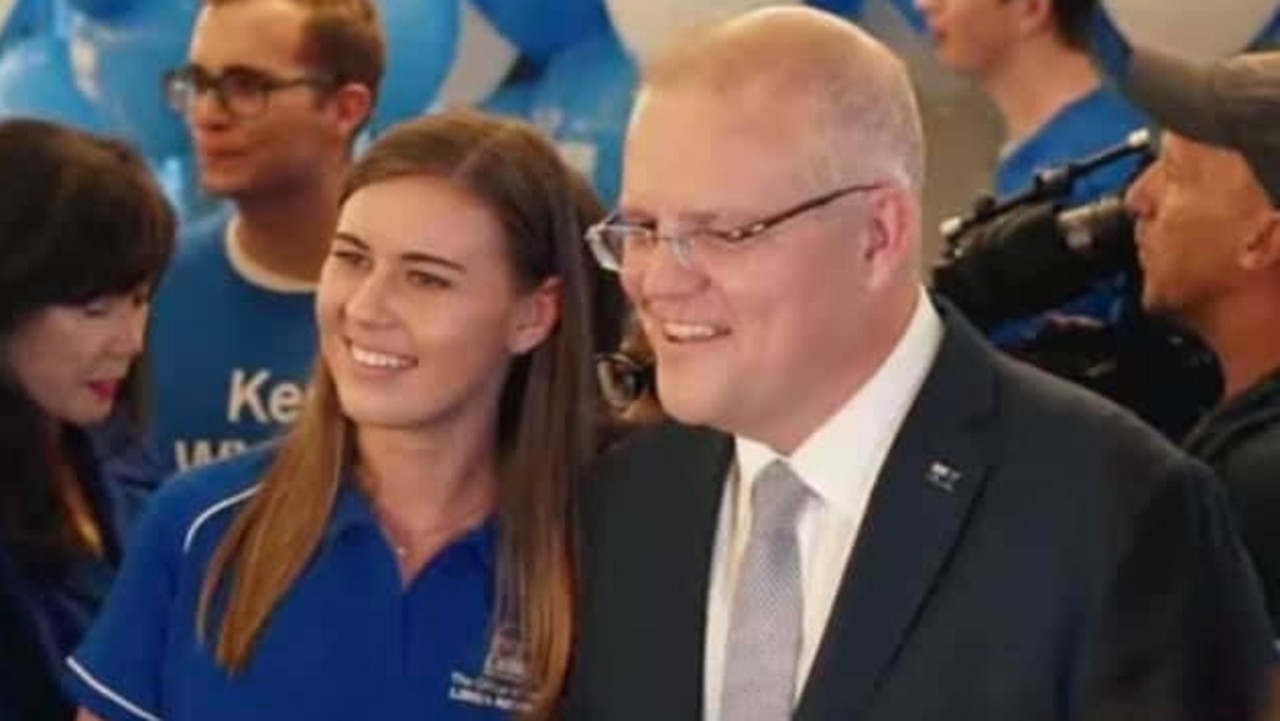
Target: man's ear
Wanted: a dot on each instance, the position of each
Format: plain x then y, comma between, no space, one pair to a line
1034,16
1263,250
537,316
352,105
892,232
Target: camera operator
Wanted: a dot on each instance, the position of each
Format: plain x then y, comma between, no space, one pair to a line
1032,58
1208,234
1012,258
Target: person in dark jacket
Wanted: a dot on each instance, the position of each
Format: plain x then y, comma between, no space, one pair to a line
860,510
1208,232
87,233
1241,439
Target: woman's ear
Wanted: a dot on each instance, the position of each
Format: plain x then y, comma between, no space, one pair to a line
536,317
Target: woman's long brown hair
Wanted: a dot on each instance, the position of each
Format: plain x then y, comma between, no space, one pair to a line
545,421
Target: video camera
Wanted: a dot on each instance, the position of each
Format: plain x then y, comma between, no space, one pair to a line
1031,253
1015,257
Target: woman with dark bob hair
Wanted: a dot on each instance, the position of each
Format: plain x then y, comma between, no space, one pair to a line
404,551
85,233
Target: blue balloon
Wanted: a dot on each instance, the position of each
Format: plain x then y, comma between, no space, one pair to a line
853,9
422,40
119,67
914,17
512,99
105,9
137,13
541,32
844,8
26,18
1269,38
36,81
583,101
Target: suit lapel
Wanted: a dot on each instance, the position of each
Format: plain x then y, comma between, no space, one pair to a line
934,471
695,473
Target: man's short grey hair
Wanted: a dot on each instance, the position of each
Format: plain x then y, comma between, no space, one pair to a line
851,97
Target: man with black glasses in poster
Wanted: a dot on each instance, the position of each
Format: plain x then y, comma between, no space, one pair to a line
273,92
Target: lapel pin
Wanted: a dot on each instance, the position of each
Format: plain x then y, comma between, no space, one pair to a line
943,476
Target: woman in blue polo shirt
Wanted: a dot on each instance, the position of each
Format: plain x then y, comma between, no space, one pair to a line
86,232
403,552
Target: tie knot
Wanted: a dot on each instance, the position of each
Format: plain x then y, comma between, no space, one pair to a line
777,497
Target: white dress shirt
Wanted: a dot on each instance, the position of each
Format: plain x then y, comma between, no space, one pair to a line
839,463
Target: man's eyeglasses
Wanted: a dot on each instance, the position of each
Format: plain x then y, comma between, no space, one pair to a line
241,92
612,240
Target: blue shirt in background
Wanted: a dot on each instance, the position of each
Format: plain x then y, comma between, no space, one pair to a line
348,641
1087,126
1082,128
229,354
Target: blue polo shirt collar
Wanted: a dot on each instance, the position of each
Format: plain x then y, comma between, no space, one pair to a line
351,512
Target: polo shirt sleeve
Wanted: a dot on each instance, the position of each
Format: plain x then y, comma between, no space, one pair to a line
117,671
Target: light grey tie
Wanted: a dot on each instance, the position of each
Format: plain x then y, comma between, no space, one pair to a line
765,623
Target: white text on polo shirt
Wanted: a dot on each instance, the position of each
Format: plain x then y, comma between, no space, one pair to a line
488,692
188,454
265,402
501,683
254,397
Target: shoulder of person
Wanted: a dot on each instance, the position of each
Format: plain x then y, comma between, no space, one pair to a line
1075,445
124,452
198,267
186,502
200,240
1251,464
1041,417
659,445
1109,100
652,464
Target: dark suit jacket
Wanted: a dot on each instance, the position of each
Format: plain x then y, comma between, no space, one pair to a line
1077,567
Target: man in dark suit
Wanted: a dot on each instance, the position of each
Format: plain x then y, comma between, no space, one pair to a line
864,512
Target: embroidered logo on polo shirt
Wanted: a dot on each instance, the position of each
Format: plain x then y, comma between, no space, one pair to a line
501,684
